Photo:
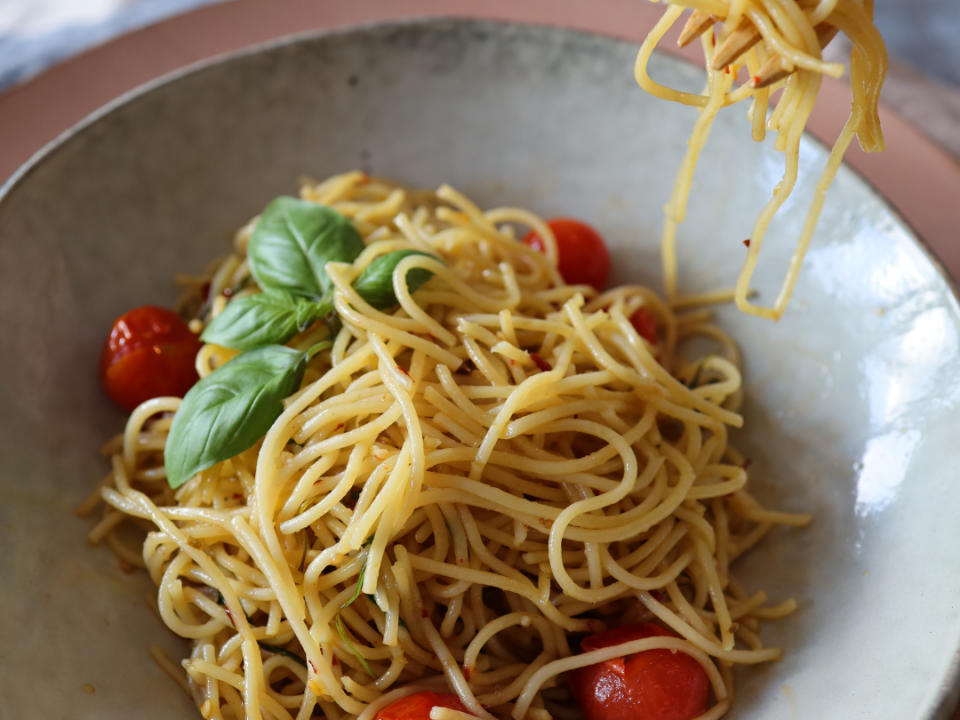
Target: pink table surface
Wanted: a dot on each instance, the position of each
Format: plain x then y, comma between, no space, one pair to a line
916,175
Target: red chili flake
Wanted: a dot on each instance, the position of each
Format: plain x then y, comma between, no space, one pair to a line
466,673
230,616
728,69
205,291
125,567
314,667
657,595
540,362
755,80
335,661
747,463
460,561
425,613
747,243
237,496
339,426
403,371
227,292
512,362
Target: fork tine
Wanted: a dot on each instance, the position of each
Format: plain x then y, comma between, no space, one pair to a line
772,70
697,24
744,37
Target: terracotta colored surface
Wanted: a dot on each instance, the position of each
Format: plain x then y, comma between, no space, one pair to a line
917,177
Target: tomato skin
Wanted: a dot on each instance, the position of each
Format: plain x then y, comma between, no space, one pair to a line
651,685
419,705
645,325
582,256
149,353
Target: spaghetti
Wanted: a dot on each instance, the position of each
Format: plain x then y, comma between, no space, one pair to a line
789,29
458,488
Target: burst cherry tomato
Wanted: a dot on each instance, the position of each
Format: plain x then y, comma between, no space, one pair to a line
582,256
645,325
651,685
419,705
149,353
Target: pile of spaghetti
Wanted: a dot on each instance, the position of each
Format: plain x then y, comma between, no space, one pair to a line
791,35
459,488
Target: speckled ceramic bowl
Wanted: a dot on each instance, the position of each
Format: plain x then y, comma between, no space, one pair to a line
852,398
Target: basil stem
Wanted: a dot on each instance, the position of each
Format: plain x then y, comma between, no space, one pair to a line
375,284
294,240
281,651
230,409
270,318
343,631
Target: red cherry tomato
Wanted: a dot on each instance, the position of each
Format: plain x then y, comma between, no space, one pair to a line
419,705
582,256
149,353
645,325
651,685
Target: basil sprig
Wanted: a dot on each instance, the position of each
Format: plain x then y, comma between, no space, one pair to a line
271,318
228,411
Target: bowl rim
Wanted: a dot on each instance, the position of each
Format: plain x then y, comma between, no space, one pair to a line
943,703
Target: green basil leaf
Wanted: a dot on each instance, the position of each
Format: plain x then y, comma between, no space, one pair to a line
294,240
375,284
308,312
230,409
269,318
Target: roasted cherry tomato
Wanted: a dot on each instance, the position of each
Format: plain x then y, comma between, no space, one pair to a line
149,353
651,685
645,325
582,256
419,705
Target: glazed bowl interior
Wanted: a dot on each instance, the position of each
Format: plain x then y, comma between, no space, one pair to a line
851,400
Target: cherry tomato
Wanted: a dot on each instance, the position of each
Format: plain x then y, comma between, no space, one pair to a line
419,705
645,325
582,256
651,685
149,353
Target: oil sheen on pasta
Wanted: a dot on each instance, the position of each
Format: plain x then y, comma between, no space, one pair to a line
496,504
788,28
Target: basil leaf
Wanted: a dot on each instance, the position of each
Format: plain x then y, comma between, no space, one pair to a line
294,240
230,409
269,318
309,312
375,284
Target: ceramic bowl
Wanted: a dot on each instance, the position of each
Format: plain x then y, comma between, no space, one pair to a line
851,400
